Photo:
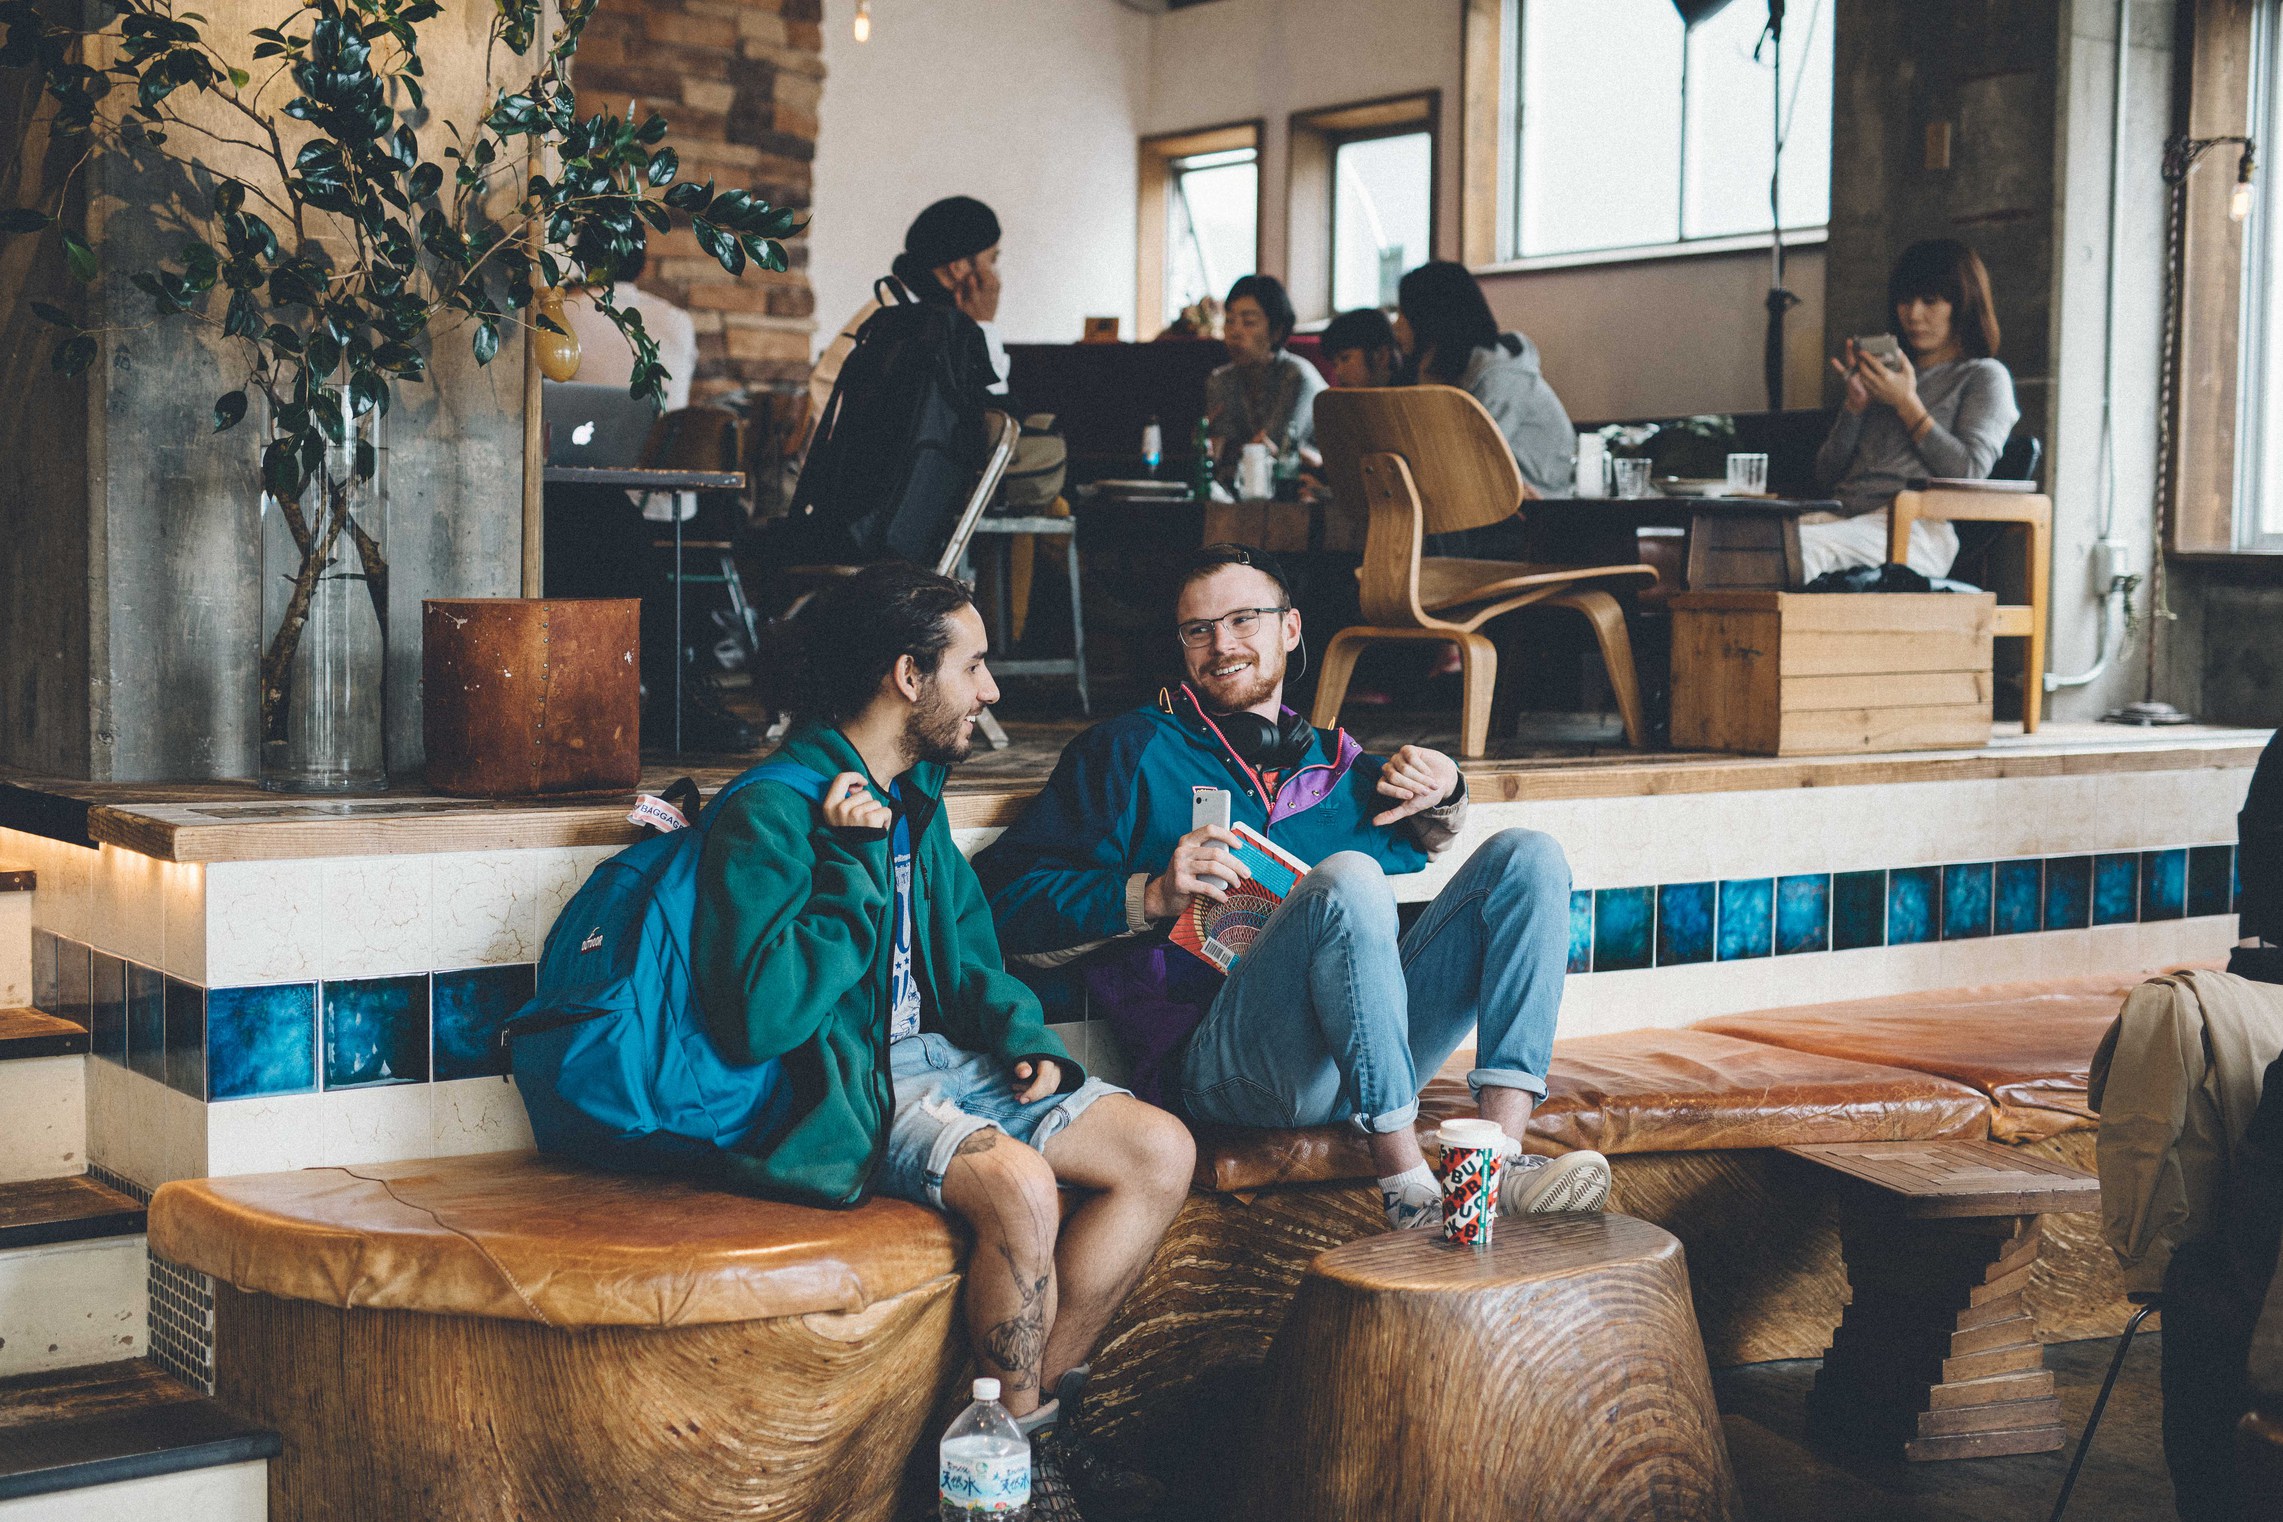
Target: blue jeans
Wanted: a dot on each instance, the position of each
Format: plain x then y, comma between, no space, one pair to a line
1332,1015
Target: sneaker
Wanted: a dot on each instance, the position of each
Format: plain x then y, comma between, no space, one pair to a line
1534,1185
1053,1499
1111,1491
1403,1214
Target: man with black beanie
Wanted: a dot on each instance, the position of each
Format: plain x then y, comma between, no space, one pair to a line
951,254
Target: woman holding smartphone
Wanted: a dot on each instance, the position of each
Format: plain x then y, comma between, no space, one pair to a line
1936,403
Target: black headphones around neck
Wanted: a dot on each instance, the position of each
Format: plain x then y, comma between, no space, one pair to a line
1258,742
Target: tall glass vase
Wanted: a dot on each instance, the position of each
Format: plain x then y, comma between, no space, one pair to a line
324,654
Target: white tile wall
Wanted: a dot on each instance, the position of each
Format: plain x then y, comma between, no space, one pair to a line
141,1129
127,909
365,1126
15,950
265,922
73,1303
226,1493
43,1117
377,915
485,909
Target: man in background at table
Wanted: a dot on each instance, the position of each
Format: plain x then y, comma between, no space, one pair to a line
1334,1013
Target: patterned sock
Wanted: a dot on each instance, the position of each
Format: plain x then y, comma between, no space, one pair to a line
1408,1193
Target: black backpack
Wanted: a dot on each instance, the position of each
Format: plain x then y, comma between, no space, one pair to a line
900,444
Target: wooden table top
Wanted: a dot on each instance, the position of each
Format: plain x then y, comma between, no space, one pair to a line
1529,1250
1932,1179
644,480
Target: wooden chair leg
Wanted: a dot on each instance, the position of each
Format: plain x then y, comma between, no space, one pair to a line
1608,619
1332,680
1478,669
1901,514
2040,594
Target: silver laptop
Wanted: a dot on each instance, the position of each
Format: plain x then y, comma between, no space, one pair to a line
597,425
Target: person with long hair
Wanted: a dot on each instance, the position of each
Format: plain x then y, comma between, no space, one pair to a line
1265,394
1444,324
1943,407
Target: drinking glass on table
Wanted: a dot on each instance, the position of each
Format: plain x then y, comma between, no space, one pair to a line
1747,475
1632,477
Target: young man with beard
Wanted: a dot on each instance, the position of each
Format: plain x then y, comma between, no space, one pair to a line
1334,1013
853,940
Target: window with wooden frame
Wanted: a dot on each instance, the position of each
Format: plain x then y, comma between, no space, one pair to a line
1362,181
1199,218
2226,384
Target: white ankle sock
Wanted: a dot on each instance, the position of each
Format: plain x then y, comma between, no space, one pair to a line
1415,1185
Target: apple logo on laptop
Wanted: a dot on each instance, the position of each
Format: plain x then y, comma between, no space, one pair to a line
583,435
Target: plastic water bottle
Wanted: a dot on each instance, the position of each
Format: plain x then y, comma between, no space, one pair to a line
1153,447
983,1464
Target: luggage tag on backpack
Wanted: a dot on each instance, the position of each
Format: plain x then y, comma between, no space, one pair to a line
657,814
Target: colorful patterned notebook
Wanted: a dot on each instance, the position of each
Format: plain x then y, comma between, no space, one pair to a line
1222,933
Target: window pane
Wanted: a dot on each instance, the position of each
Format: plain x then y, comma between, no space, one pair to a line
1600,111
1212,233
2259,465
1380,192
1730,103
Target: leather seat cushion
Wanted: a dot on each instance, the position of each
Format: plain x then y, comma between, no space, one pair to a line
525,1238
1639,1091
2028,1046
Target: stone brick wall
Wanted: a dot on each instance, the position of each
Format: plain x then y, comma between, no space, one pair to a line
738,81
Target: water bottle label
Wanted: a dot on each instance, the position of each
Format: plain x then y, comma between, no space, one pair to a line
986,1485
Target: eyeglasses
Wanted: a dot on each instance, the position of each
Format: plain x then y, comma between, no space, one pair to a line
1242,623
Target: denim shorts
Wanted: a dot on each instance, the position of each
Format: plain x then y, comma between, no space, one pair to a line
945,1095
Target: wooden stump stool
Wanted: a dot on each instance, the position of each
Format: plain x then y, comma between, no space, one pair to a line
1937,1354
1556,1374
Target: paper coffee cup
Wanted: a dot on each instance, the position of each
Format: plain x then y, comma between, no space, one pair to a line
1472,1155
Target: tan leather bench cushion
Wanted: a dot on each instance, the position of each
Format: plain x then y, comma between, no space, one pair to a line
1641,1091
2028,1046
521,1237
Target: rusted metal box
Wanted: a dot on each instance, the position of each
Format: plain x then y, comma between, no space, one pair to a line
524,697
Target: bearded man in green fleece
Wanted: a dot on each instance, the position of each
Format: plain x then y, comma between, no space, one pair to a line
852,939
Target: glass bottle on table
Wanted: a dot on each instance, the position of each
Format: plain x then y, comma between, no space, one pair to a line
1201,461
1153,447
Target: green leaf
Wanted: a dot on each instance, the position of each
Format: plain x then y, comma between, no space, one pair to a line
229,411
47,311
81,258
487,343
664,167
74,354
240,78
23,219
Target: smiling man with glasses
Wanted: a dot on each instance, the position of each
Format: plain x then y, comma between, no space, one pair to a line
1334,1012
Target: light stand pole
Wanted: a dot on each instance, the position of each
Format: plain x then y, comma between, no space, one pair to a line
1780,300
2180,155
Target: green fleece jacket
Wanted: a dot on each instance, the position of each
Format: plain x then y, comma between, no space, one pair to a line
791,952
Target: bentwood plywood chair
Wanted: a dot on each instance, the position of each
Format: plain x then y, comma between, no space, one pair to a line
1429,460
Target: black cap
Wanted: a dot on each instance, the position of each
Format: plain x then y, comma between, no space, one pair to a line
954,228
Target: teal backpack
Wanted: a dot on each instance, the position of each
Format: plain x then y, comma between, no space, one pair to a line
611,1055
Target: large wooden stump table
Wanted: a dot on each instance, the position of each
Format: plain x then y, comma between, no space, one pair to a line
1937,1355
1556,1374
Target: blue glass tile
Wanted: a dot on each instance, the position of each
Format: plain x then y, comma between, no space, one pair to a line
1914,905
1747,917
376,1031
110,993
72,986
1581,930
47,950
1966,901
2017,897
2210,885
470,1007
2068,892
1858,910
2163,884
1684,923
261,1040
185,1037
1803,914
2116,888
1624,923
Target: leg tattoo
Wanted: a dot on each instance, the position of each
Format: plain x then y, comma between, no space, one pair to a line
1016,1343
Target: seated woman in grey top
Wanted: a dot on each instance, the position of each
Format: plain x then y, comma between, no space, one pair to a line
1946,410
1445,325
1265,394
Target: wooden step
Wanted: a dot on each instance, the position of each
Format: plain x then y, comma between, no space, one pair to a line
37,1212
15,877
102,1423
29,1033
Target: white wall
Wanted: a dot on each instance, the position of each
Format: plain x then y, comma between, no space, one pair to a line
1032,106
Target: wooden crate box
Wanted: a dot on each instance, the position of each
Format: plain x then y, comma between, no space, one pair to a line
1797,674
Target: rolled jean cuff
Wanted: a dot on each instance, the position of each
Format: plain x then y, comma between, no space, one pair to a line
1505,1078
1394,1120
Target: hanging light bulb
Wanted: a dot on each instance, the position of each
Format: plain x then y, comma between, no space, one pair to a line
2239,199
863,24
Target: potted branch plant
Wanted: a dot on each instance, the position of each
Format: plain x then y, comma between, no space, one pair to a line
338,231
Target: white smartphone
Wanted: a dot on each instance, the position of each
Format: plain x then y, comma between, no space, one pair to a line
1883,346
1208,806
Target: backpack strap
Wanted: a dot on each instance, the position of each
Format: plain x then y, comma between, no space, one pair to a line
805,780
